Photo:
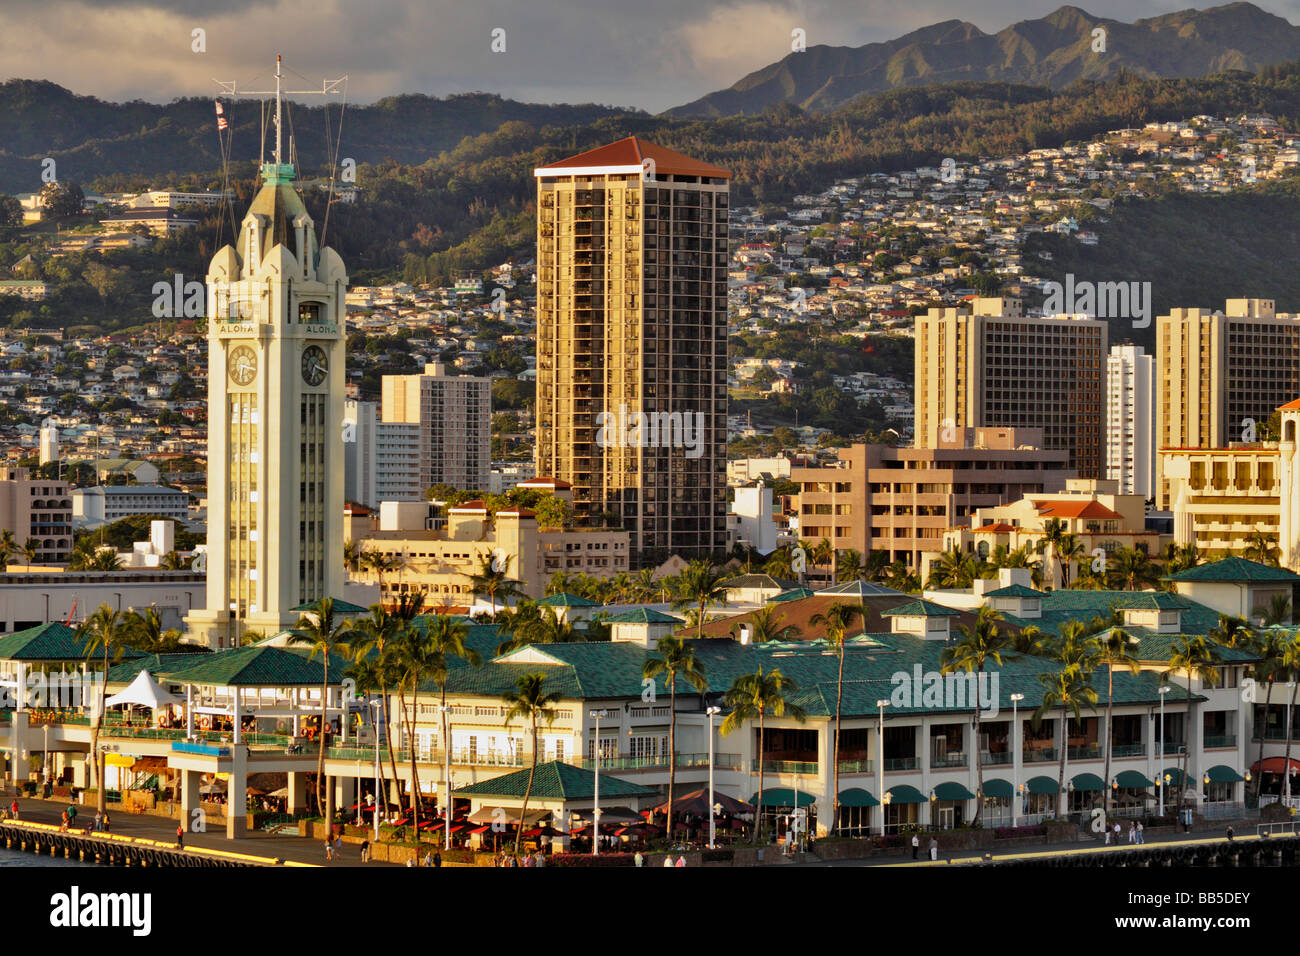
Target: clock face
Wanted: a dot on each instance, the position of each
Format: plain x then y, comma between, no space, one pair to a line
314,365
243,365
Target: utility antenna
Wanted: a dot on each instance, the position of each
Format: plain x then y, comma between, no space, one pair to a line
328,87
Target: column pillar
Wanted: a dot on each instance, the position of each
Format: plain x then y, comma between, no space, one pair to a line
297,792
237,792
19,765
189,787
329,800
826,766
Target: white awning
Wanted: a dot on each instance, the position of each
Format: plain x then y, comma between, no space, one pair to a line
144,691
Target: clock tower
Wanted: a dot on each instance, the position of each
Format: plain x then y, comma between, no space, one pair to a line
276,333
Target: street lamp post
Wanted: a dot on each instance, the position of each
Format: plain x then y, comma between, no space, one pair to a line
446,775
1286,771
1015,758
374,710
595,794
1161,759
880,761
711,712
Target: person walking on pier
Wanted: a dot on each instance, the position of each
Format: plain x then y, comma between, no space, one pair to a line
180,836
1132,832
916,845
365,851
13,809
934,849
1139,833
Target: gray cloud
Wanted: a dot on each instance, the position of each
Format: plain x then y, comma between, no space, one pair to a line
645,53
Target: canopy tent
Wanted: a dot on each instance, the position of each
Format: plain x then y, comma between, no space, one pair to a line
696,803
144,691
902,793
612,815
507,815
1131,778
1040,785
1222,774
1088,782
1275,765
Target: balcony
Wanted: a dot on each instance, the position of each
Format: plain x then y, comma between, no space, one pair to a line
1041,755
900,763
856,766
949,759
992,759
1223,740
785,766
1128,750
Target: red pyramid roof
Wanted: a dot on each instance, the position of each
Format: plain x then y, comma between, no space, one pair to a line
633,152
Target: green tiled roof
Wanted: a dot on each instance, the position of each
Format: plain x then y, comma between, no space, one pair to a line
257,666
50,642
340,607
556,781
1062,606
644,615
1236,570
564,599
920,609
1015,590
795,594
127,671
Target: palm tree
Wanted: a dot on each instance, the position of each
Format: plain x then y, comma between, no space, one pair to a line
371,678
558,583
823,553
374,640
753,697
676,659
849,567
380,562
1180,557
8,547
1113,650
766,625
1288,664
1054,535
838,618
985,642
1068,689
519,624
318,630
413,661
172,561
445,639
1069,553
953,569
702,585
1030,640
1261,547
1270,648
876,565
354,556
644,586
1192,656
1278,611
779,564
530,702
1132,569
103,633
495,581
31,546
145,632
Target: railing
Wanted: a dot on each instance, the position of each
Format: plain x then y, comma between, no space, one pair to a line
1278,733
786,766
948,760
1086,752
689,761
1042,755
900,763
1172,748
856,766
1223,810
1225,740
1128,750
991,759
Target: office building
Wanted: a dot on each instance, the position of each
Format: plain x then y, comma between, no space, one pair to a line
454,413
632,343
381,459
36,511
1130,420
1221,375
993,367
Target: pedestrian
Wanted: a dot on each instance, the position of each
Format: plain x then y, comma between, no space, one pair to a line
528,861
1132,832
681,861
64,827
916,845
668,860
1107,831
540,859
1117,833
180,835
365,851
1229,832
13,809
106,826
437,858
72,814
428,859
1139,833
934,849
99,821
329,849
640,860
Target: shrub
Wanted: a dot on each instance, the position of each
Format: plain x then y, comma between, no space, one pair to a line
1006,833
587,860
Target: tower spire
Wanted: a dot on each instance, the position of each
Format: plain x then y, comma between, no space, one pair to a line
278,101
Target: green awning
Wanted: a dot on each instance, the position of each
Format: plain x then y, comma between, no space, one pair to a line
1089,782
905,794
1175,776
1222,774
998,788
952,791
857,797
1042,785
784,797
1131,778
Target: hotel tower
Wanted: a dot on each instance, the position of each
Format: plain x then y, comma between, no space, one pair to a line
632,328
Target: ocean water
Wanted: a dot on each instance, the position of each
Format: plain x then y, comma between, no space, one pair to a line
10,858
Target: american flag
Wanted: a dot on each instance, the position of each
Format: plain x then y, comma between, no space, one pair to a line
221,117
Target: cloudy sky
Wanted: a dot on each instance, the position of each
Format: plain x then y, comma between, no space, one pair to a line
651,54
